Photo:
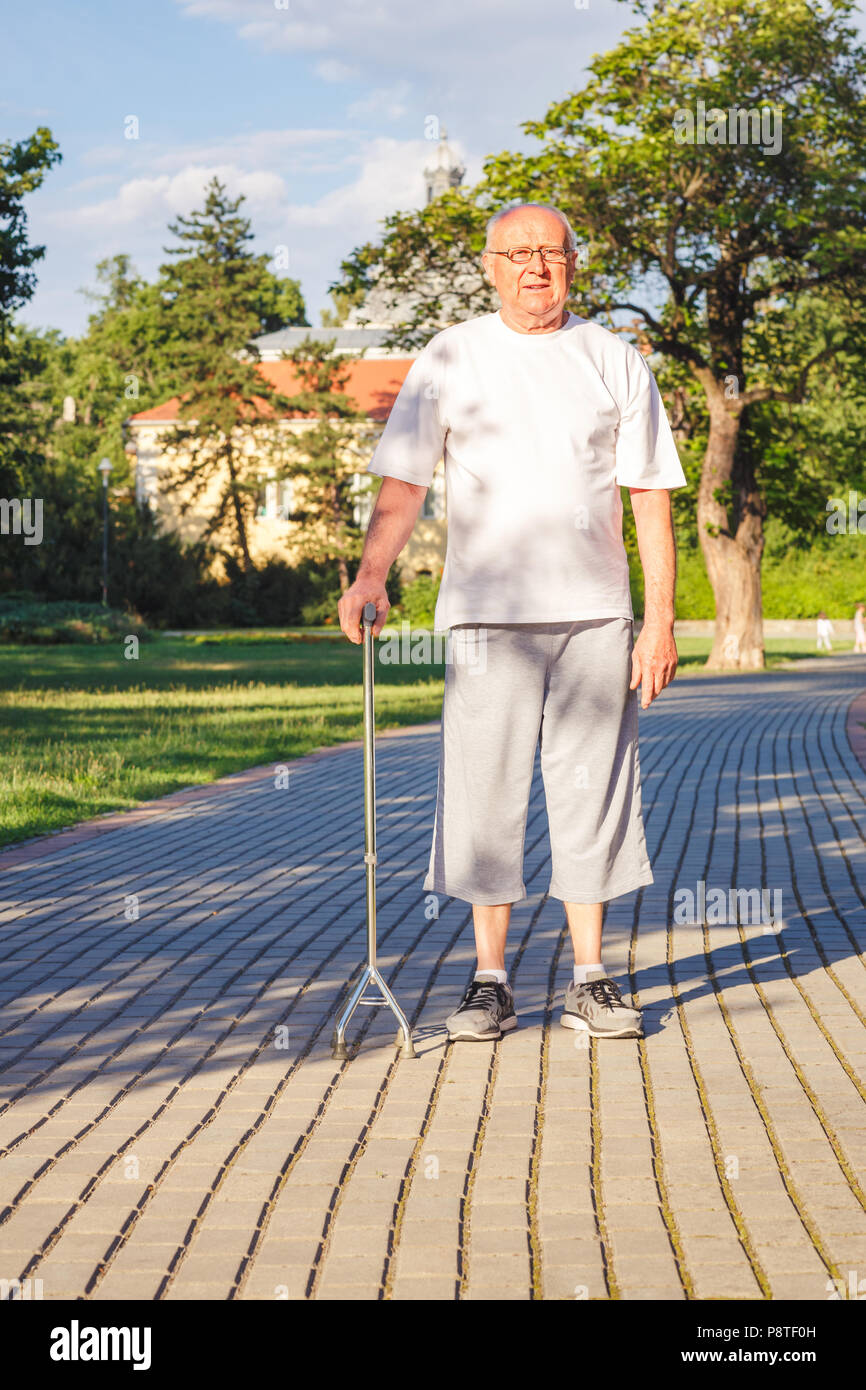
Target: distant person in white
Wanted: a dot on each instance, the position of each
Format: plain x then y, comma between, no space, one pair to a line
860,628
825,632
540,416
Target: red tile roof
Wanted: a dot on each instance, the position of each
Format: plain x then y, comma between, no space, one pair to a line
372,385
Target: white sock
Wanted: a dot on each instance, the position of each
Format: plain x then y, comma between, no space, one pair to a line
501,976
580,972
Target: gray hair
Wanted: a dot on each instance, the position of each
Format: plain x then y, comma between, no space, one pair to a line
545,207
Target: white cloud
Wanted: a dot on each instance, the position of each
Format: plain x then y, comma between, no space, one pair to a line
332,70
383,174
289,151
293,149
385,101
88,184
152,201
288,36
388,177
288,25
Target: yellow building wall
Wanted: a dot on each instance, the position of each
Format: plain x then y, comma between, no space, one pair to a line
268,537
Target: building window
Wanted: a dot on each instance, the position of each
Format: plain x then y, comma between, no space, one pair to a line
146,483
275,500
364,499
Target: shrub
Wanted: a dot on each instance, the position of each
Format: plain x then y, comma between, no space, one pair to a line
417,603
41,622
277,594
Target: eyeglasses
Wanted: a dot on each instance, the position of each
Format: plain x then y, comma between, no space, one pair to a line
522,255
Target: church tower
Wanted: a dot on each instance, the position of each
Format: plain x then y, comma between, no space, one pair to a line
380,310
444,170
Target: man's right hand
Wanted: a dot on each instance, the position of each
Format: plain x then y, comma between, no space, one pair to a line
351,607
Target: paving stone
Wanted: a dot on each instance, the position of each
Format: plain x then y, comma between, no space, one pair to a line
426,1287
195,1293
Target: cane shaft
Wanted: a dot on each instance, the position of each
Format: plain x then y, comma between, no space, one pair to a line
370,793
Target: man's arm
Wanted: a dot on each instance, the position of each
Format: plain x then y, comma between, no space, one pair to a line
394,516
654,659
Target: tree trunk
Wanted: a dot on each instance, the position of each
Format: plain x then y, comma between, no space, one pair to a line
240,520
337,513
730,528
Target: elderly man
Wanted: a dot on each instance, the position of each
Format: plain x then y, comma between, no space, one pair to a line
541,416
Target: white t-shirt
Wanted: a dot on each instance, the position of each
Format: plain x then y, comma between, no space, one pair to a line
537,432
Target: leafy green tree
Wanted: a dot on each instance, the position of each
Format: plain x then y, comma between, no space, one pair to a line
212,291
343,301
806,451
23,167
281,303
327,457
119,366
25,408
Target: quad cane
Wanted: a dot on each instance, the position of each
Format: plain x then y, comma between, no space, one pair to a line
370,974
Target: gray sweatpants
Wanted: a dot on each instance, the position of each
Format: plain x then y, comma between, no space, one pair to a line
506,687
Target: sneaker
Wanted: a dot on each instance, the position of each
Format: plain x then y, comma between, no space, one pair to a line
487,1012
597,1008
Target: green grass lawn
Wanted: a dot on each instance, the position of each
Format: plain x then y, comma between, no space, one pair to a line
88,731
778,651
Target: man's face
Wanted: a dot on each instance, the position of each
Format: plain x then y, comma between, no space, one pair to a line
539,288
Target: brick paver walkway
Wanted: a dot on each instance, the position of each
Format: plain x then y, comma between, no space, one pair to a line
172,1124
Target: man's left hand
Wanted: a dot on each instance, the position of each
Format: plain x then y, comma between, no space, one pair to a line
653,661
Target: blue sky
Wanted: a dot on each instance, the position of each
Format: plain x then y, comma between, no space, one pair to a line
316,112
314,109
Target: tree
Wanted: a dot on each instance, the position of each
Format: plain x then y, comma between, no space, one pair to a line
120,365
326,457
26,409
23,166
281,303
343,302
806,451
712,168
213,295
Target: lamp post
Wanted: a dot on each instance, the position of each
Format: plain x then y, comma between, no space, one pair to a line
105,469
